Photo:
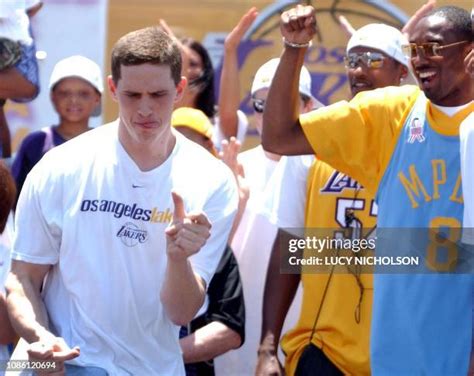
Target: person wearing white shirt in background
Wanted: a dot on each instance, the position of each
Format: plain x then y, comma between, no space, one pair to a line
255,234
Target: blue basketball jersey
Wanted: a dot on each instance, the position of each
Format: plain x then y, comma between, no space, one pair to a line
422,323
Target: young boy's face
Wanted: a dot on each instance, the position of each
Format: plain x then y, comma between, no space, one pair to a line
74,99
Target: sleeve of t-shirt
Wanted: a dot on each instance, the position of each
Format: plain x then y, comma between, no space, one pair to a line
226,297
358,137
220,209
38,219
286,202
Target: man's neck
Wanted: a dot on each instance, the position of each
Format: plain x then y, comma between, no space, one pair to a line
459,97
451,110
149,155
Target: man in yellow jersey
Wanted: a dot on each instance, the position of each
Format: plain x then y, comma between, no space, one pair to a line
403,144
312,194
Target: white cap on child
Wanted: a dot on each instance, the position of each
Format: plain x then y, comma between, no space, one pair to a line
80,67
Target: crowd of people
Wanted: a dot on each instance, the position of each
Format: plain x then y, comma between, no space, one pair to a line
152,245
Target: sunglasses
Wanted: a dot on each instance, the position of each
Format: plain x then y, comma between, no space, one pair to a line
372,60
429,49
258,105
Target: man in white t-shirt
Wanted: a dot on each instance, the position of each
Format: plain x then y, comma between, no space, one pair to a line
127,258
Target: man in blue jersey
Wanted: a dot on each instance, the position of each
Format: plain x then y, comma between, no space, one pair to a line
403,144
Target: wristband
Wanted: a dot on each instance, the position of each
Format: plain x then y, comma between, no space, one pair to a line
297,45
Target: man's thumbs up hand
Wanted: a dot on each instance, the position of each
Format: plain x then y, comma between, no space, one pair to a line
188,232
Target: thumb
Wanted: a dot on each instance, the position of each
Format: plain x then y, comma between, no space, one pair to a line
179,212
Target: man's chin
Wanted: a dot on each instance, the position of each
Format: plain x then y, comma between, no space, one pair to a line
431,94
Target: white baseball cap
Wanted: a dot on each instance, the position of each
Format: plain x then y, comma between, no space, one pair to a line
380,37
80,67
264,76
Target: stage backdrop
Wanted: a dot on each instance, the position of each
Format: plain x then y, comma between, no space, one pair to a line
91,27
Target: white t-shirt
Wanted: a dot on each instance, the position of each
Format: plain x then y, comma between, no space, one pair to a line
286,202
242,125
466,134
88,210
252,245
5,262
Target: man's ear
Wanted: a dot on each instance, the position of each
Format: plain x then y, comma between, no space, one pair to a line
404,72
180,88
112,88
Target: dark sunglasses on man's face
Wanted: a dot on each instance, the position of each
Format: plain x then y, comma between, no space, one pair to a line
372,60
258,105
429,49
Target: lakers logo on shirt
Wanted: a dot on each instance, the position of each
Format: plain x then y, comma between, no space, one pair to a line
338,182
130,234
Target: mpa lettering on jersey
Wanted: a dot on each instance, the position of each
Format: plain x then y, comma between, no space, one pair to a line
419,191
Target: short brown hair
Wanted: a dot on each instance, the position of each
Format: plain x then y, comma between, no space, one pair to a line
7,194
149,45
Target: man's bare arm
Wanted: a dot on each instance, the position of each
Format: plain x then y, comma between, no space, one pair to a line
29,317
229,92
282,132
183,291
208,342
26,308
280,289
